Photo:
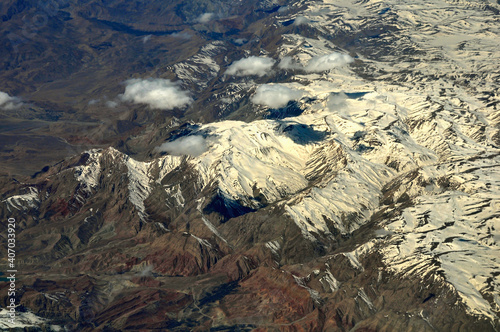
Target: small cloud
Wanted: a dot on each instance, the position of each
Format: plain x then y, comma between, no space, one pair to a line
111,104
146,38
181,35
288,63
283,9
275,95
383,233
327,62
240,41
157,93
253,65
205,18
317,63
147,271
9,103
93,101
300,20
336,101
187,145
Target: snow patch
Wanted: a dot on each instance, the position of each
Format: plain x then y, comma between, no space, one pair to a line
139,184
23,202
329,281
274,246
88,174
24,320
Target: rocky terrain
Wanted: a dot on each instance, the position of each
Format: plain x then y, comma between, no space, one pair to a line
303,166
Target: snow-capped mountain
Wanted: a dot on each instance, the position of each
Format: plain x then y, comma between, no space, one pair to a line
370,202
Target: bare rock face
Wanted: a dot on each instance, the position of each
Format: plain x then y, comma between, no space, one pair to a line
334,166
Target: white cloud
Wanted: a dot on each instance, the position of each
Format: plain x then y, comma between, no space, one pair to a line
9,103
288,63
181,35
283,9
336,101
157,93
317,63
205,18
327,62
240,41
253,65
300,20
147,271
187,145
146,38
275,95
111,104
